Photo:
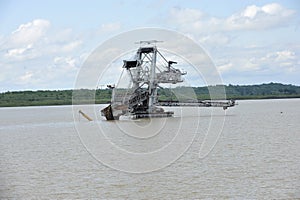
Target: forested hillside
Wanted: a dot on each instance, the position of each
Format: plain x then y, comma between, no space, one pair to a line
270,90
53,97
64,97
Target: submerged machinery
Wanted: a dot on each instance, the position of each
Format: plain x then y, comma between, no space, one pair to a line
140,100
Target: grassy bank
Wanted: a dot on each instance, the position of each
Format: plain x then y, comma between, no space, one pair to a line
64,97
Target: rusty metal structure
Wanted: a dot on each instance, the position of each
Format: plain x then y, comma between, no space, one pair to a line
140,100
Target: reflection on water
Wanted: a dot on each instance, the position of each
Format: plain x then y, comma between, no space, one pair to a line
256,156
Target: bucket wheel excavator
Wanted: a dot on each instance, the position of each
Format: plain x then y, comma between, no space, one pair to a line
141,99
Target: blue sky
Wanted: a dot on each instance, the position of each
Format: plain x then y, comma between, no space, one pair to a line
44,44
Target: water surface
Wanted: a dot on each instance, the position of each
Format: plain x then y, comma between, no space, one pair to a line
256,156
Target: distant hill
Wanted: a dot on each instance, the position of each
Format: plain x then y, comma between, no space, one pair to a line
64,97
263,91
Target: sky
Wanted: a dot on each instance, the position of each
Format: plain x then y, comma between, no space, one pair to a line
43,44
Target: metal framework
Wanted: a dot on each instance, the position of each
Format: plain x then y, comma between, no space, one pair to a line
141,101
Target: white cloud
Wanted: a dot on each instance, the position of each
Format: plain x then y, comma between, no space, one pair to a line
284,61
251,18
25,78
38,49
215,39
35,39
30,32
285,55
256,18
57,73
21,44
215,33
36,55
240,43
279,56
250,11
16,52
225,67
66,64
275,9
19,53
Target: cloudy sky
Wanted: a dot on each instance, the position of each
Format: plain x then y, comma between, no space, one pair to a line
43,44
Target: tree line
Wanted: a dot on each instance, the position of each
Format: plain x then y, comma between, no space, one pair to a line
83,96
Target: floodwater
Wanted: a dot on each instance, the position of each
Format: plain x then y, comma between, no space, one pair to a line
46,153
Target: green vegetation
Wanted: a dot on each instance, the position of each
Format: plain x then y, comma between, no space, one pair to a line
262,91
55,97
83,96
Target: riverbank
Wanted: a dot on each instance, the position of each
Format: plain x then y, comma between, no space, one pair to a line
103,96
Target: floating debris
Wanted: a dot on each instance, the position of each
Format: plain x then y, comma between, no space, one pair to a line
85,115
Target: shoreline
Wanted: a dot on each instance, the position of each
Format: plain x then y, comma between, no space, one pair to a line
103,96
44,105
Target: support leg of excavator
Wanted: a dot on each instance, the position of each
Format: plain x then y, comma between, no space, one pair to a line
107,112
